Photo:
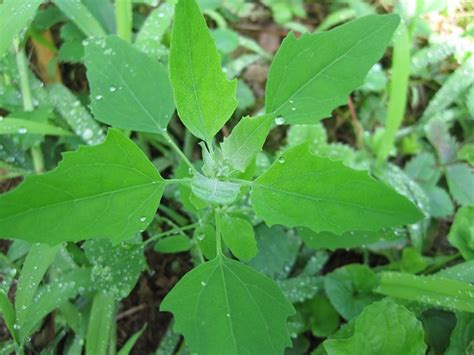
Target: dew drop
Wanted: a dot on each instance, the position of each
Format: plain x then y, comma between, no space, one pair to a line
279,120
142,219
98,97
281,160
22,130
112,88
87,134
203,283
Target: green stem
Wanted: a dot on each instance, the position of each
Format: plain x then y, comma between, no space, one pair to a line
218,232
170,232
189,142
398,92
123,19
22,65
175,147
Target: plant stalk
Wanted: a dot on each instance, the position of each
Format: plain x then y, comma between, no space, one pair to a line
123,19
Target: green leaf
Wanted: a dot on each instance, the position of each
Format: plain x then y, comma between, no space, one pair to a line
8,314
301,189
129,89
51,296
21,126
115,269
277,251
347,240
37,262
460,182
224,307
461,234
173,244
215,191
100,323
433,290
422,168
205,99
300,288
462,272
467,151
321,316
246,140
462,337
15,15
440,203
81,16
127,348
350,289
109,190
310,76
382,328
239,236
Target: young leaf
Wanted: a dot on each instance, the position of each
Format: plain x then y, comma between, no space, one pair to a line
349,289
21,126
215,191
238,235
301,189
224,307
14,16
205,99
109,190
7,312
310,76
129,89
433,290
173,244
461,341
246,140
461,234
382,328
115,269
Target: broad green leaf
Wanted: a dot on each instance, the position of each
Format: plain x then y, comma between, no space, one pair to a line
7,312
461,234
206,237
347,240
173,244
440,203
239,236
101,319
21,126
433,290
215,191
382,328
129,89
115,269
37,262
76,115
246,140
15,15
467,151
310,76
277,251
106,191
350,289
462,337
205,99
460,179
301,189
81,16
422,168
51,296
224,307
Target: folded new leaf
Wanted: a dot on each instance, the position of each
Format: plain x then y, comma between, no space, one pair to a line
301,189
234,310
312,75
109,190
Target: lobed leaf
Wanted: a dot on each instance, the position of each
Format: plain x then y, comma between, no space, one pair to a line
301,189
205,99
109,190
310,76
129,89
224,307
